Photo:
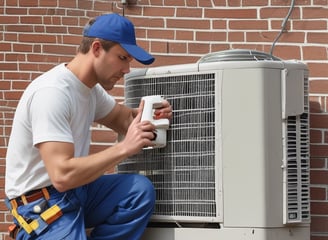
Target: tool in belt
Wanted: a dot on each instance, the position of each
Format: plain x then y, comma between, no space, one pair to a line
46,216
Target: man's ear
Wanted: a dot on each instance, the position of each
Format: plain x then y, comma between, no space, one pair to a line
96,48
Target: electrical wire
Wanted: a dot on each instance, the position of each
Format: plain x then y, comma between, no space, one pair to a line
123,8
123,2
283,26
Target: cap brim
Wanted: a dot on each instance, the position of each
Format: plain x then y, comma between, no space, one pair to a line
138,53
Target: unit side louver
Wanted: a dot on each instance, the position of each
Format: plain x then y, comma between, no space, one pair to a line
298,166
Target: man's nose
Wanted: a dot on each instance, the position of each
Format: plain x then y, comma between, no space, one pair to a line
126,69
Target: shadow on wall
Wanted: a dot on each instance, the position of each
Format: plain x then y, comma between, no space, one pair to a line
318,122
318,166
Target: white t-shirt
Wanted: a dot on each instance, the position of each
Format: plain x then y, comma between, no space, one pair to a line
55,107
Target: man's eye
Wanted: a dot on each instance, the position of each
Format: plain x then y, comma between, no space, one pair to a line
123,58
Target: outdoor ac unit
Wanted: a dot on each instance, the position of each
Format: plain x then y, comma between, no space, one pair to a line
236,164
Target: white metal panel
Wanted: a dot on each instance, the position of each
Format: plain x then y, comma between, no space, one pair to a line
252,148
293,92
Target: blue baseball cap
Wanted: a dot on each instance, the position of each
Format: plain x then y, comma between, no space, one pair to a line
116,28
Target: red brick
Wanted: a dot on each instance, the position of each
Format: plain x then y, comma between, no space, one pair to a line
318,237
37,38
260,36
159,11
316,136
103,136
211,36
59,49
132,10
309,25
30,3
20,84
320,2
317,86
189,12
319,208
184,35
254,2
316,105
231,13
319,224
31,19
319,177
8,66
315,53
174,2
287,52
318,69
278,12
205,4
9,19
141,33
277,25
13,95
315,12
318,151
147,22
20,28
16,75
22,47
177,47
217,2
319,120
160,33
248,24
318,193
236,37
5,46
317,37
16,11
68,4
188,23
219,24
159,47
198,48
5,85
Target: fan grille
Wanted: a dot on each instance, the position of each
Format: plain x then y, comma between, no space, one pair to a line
183,172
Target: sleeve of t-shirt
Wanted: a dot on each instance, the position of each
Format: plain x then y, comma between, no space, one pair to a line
50,116
104,102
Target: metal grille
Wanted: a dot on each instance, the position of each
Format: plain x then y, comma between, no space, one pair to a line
298,166
237,55
183,172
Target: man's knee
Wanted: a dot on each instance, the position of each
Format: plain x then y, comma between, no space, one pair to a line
144,186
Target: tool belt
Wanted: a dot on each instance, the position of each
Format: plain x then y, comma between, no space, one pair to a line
35,226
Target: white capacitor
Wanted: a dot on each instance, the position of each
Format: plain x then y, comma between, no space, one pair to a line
151,103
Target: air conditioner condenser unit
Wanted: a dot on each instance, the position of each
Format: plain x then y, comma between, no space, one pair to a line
236,163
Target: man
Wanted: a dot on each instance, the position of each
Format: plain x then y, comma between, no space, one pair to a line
55,189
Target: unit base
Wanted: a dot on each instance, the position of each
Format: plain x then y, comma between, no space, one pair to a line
290,233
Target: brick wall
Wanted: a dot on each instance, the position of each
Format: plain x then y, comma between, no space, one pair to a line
36,35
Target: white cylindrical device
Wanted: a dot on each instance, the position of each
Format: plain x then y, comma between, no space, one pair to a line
151,103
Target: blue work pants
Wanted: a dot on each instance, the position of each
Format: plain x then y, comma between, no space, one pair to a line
115,206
